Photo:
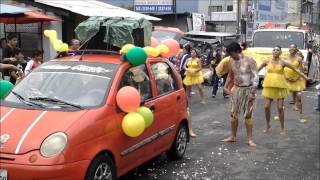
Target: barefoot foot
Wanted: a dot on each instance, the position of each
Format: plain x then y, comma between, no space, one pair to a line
251,143
192,134
229,139
267,129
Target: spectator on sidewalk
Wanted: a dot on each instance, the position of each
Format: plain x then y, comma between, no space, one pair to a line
8,52
34,62
74,45
18,62
3,45
186,56
215,78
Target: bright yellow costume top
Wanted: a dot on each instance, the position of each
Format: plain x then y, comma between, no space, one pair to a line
275,85
294,81
193,77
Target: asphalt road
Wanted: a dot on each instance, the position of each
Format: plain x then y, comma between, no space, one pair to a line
294,156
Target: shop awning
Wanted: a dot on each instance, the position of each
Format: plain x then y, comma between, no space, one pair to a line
28,17
95,8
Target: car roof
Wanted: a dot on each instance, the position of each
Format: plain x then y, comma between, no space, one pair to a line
282,30
97,56
202,33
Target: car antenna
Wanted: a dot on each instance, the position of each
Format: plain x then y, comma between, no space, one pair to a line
86,43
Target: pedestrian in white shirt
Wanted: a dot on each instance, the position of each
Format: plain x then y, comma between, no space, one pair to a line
34,62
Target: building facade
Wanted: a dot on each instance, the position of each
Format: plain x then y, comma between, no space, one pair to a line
180,11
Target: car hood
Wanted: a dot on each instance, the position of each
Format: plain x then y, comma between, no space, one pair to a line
24,130
261,53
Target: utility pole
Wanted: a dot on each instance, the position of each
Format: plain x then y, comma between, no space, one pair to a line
238,17
175,12
301,11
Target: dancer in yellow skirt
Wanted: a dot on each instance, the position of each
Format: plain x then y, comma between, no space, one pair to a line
275,86
296,84
194,75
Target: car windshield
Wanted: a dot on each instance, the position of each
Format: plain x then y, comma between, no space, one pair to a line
281,38
163,35
65,84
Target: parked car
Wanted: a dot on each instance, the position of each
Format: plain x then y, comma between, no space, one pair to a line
62,121
204,40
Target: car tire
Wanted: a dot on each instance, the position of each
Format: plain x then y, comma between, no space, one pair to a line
179,145
102,167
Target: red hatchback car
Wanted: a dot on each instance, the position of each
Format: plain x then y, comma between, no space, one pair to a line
62,121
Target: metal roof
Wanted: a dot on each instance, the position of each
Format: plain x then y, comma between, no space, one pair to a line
218,34
95,8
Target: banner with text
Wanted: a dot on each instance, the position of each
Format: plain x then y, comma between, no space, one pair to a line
153,6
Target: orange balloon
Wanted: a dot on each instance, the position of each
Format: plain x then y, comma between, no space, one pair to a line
154,42
128,99
173,46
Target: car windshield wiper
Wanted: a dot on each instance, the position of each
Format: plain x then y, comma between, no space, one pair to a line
48,99
25,101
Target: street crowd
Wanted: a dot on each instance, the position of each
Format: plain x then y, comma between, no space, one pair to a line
14,65
231,65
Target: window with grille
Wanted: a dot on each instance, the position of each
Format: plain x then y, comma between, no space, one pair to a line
214,9
230,8
29,36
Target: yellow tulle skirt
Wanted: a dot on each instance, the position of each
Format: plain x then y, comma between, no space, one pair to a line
297,86
275,93
193,78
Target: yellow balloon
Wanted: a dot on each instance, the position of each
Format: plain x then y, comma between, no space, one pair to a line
133,124
64,47
162,48
57,46
53,33
151,51
126,48
46,32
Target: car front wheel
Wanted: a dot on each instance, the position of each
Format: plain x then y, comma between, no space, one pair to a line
102,168
180,144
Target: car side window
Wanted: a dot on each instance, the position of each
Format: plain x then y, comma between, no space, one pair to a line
138,78
164,77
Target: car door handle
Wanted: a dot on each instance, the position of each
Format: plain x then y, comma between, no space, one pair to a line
153,108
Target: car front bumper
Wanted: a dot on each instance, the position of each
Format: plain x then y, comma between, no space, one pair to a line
70,171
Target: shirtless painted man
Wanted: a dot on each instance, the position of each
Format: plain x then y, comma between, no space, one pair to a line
244,72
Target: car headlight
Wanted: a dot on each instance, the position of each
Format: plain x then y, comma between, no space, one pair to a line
53,144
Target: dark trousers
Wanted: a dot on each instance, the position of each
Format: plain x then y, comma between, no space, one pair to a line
215,83
182,74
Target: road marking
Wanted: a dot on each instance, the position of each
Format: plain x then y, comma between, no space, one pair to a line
28,131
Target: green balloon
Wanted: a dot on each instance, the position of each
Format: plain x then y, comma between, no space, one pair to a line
5,88
147,115
136,56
